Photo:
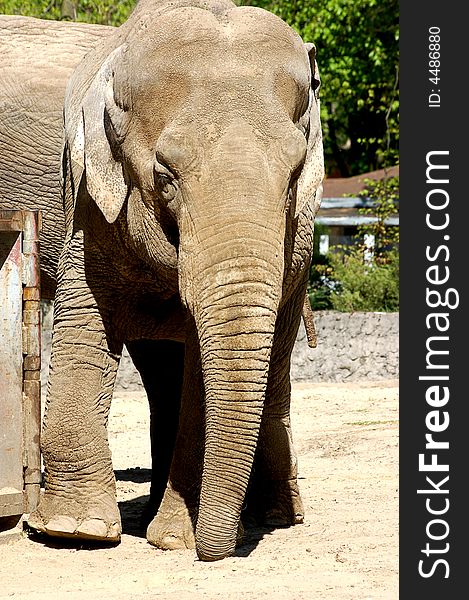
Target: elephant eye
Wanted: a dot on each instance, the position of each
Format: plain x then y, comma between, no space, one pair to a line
166,185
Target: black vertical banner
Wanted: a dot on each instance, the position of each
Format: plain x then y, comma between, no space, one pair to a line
434,317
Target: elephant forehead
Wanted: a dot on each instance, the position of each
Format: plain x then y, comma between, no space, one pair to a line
188,112
205,44
216,82
186,23
203,104
196,69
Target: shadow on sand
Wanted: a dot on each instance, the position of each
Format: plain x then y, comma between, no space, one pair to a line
135,518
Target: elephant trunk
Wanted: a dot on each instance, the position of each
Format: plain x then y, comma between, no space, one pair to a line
238,287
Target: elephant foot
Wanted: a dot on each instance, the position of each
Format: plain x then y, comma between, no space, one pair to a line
172,527
287,507
276,504
57,517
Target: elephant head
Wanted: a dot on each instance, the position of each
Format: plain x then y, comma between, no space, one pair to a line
200,134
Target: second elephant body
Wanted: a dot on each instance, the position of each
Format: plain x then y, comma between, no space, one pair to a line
37,58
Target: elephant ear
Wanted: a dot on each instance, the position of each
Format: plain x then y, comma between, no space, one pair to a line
310,181
96,143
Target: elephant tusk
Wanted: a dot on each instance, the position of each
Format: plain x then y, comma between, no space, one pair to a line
308,320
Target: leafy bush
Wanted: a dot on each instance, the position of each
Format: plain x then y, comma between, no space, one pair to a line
321,283
358,278
365,287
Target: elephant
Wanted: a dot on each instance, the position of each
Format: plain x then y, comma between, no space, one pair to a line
192,170
36,59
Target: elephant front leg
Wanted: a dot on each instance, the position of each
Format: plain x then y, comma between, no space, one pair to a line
80,491
274,497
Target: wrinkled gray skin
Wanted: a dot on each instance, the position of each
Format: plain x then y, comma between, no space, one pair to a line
192,173
36,59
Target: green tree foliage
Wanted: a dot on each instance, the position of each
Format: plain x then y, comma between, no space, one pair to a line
357,46
357,43
104,12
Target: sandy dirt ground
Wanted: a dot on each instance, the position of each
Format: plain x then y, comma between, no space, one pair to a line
347,439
